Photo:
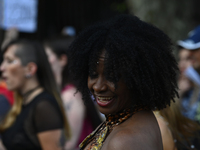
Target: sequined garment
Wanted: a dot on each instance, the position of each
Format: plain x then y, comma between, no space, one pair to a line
98,137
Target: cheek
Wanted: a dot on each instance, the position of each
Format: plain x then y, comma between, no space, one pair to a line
16,77
123,92
17,73
111,86
198,56
195,54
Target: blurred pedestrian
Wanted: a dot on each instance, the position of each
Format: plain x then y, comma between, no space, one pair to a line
178,132
37,119
190,89
6,96
83,119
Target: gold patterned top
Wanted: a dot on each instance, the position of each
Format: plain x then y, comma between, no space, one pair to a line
98,137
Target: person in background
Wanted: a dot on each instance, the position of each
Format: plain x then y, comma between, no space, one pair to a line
83,119
178,132
184,62
37,119
6,99
189,81
129,68
6,96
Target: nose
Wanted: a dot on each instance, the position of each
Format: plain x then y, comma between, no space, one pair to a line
100,85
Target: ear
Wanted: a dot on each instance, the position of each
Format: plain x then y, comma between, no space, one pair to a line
63,60
31,69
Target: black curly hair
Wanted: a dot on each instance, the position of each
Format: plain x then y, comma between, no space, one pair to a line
136,51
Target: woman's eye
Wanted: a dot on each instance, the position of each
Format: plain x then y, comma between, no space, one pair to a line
11,61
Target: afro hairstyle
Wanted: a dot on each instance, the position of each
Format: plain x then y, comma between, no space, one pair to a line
136,51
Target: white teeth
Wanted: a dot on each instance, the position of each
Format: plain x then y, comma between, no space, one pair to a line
104,98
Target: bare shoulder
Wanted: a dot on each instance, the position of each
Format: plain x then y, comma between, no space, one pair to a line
125,140
73,100
143,135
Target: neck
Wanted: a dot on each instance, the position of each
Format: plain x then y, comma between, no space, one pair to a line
29,85
31,94
30,89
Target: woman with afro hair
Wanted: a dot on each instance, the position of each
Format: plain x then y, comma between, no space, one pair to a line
129,68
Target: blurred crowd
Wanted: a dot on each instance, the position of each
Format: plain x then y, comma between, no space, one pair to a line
81,119
37,93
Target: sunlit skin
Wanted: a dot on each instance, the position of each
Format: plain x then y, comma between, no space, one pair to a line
12,70
109,99
195,57
184,60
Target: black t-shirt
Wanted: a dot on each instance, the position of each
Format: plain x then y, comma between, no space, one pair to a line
41,114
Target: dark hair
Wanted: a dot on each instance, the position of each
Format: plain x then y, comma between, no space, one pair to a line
60,46
136,51
32,51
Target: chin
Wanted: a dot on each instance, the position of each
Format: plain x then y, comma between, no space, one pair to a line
11,88
107,111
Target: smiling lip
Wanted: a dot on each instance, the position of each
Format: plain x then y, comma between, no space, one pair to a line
104,101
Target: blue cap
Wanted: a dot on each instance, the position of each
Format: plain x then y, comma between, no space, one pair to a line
193,40
69,30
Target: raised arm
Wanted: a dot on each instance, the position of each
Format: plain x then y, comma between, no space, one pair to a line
75,111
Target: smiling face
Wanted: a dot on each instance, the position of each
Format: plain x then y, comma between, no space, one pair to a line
12,70
109,99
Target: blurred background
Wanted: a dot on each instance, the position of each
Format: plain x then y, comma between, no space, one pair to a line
39,19
46,19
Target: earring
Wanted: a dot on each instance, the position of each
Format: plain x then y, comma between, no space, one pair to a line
28,76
